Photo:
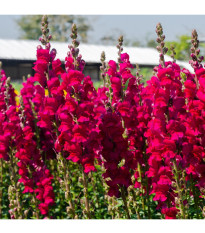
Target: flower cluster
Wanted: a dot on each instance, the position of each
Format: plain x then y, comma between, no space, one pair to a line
138,146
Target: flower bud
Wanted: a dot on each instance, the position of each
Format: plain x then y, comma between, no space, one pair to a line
162,44
163,37
48,46
76,51
73,51
161,55
197,51
39,47
165,50
11,211
158,40
158,48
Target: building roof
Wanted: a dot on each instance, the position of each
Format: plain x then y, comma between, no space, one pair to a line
26,50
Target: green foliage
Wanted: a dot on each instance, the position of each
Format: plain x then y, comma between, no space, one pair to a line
151,43
182,47
60,26
17,85
98,84
147,73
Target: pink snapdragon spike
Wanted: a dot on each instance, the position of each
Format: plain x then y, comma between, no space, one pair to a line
32,168
194,148
9,127
48,104
37,141
120,127
166,131
78,137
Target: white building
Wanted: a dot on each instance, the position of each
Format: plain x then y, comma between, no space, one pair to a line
18,56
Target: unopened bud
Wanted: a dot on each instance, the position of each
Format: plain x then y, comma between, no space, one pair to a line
197,51
158,48
39,47
74,28
162,44
158,40
73,51
76,51
42,40
48,46
161,55
11,211
53,52
163,37
165,50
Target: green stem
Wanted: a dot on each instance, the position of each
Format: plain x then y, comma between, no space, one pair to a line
14,181
147,197
94,185
66,178
125,201
181,206
141,187
135,204
195,196
85,190
36,212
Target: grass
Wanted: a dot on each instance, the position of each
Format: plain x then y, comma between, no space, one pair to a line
17,85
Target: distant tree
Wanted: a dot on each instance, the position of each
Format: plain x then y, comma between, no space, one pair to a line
151,43
136,43
111,38
59,25
108,40
182,47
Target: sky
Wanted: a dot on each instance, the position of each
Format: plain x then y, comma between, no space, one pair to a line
133,27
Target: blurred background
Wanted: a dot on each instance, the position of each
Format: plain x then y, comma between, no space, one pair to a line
19,34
